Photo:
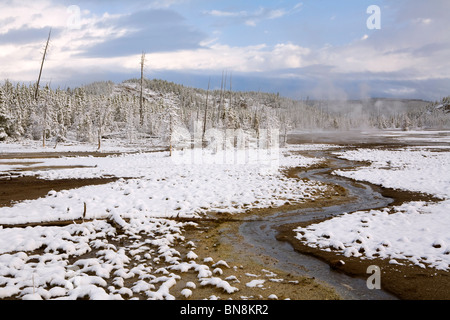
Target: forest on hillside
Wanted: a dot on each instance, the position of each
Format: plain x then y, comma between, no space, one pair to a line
102,110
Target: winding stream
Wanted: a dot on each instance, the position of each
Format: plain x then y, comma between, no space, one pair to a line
261,233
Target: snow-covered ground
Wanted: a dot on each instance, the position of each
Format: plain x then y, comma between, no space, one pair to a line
414,169
415,231
155,186
416,135
108,145
130,241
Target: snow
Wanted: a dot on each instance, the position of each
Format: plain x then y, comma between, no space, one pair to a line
191,255
126,248
154,186
411,169
85,277
414,232
109,145
419,135
221,263
186,293
218,271
219,283
208,259
255,283
232,278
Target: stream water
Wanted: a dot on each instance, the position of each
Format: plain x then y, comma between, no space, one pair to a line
261,233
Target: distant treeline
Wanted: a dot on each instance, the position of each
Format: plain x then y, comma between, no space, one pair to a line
105,109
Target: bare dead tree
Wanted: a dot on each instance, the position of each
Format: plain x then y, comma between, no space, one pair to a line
102,117
231,89
45,114
221,96
141,99
44,126
206,111
36,94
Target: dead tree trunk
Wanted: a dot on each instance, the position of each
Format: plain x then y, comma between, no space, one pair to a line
171,133
36,94
206,112
231,90
44,130
141,100
219,112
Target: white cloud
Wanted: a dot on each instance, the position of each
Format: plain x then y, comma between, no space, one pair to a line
20,62
417,49
164,4
259,58
219,13
424,21
33,14
253,18
298,6
403,91
275,14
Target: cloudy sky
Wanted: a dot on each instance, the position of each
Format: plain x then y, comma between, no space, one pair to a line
315,48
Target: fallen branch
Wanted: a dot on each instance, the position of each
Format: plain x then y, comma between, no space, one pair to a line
59,223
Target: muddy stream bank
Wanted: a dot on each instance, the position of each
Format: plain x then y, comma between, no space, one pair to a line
273,235
268,235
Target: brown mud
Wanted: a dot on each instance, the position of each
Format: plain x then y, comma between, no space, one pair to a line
218,236
29,188
50,155
15,188
243,265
